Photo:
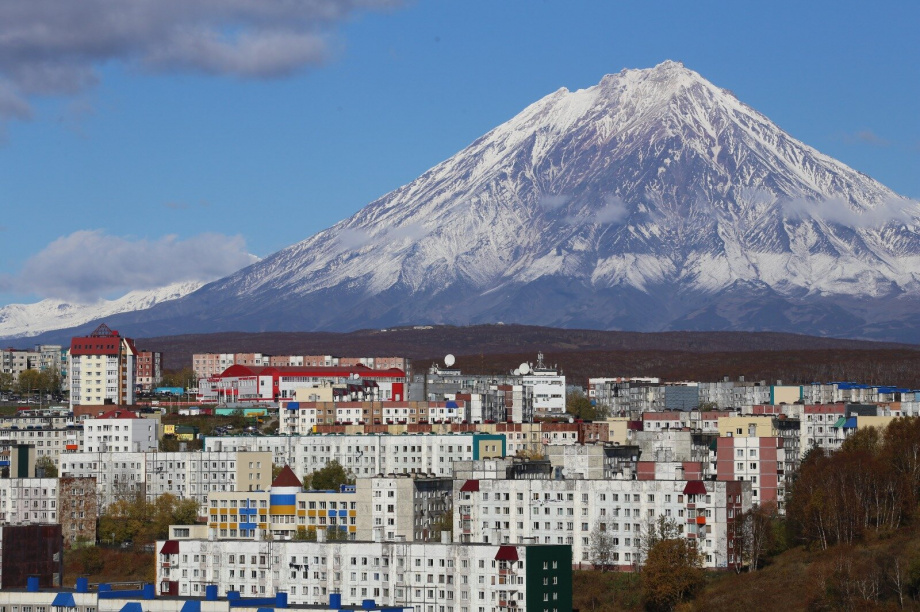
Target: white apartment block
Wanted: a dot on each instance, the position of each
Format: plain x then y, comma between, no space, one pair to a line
101,368
191,474
566,512
48,442
426,576
119,431
28,500
405,508
369,454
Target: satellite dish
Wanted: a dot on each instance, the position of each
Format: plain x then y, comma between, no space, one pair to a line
517,372
449,360
524,368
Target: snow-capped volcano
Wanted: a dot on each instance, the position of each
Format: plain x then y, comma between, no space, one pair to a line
652,200
22,320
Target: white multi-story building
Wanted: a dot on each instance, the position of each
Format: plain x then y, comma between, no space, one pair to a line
369,454
101,368
567,512
119,431
427,576
48,441
407,508
191,474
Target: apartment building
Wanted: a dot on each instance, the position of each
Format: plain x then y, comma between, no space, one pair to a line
368,455
67,501
246,383
409,507
101,368
283,511
148,370
428,577
49,441
184,474
310,409
120,431
760,460
566,512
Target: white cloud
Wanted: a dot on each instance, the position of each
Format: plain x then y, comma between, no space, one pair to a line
352,238
411,231
53,47
89,264
614,210
896,210
552,202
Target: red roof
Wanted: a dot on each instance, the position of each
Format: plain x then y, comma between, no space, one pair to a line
287,478
312,371
470,486
170,547
695,487
506,553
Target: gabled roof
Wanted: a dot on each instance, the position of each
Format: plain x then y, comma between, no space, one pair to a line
287,478
695,487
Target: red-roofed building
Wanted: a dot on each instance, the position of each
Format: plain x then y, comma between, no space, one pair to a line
101,368
352,383
287,478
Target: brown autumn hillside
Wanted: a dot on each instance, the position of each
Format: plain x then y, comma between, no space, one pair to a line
583,353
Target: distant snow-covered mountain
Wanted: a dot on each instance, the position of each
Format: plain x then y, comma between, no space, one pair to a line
653,200
23,320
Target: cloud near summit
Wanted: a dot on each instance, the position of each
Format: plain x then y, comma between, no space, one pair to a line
52,47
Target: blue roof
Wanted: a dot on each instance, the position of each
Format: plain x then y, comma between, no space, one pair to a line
293,406
64,600
191,605
850,423
452,404
132,606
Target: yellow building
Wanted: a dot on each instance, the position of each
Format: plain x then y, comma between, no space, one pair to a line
747,426
281,511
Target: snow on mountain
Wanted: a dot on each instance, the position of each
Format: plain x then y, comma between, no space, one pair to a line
22,320
652,200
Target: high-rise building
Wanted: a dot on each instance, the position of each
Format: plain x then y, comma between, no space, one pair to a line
148,370
102,368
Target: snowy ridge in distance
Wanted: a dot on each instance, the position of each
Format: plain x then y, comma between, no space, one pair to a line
23,320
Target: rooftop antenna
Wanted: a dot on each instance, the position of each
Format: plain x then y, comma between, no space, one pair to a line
540,364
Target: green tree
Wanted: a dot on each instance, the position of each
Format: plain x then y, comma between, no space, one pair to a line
7,381
238,419
334,534
443,522
134,519
305,535
601,547
330,477
579,406
29,381
184,378
672,574
48,466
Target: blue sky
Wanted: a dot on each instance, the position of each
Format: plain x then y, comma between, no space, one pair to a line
119,153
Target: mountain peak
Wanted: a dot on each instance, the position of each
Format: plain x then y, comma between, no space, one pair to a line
651,200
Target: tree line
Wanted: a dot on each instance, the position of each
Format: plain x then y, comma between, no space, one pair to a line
870,485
